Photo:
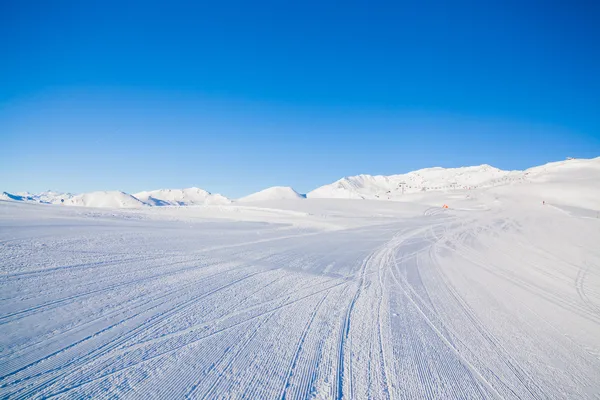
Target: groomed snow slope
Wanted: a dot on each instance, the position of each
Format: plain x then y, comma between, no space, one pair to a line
181,197
273,193
494,298
107,199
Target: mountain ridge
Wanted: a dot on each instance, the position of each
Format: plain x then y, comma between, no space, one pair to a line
363,186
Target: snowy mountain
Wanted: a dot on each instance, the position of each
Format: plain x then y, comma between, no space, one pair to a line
556,180
573,183
181,197
429,179
449,179
569,170
16,197
52,197
107,199
47,197
117,199
273,193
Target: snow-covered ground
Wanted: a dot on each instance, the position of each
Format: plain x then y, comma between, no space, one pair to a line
497,296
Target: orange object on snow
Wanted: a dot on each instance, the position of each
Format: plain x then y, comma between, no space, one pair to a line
444,206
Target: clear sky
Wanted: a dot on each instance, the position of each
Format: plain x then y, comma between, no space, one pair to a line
236,96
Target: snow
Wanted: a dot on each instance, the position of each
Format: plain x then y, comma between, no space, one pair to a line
105,199
495,297
16,197
181,197
394,187
557,177
273,193
48,197
388,187
51,197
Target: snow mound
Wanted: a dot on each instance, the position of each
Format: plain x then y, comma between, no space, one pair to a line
106,199
181,197
273,193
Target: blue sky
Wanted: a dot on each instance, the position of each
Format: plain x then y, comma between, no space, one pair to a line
235,96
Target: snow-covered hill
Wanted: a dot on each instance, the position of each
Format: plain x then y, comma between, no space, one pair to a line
52,197
573,182
429,179
48,197
107,199
566,171
449,179
16,197
273,193
181,197
118,199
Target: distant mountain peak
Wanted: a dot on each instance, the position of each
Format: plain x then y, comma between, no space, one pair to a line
193,196
273,193
362,186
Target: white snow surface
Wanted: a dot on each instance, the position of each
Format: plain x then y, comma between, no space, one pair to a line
273,193
181,197
496,297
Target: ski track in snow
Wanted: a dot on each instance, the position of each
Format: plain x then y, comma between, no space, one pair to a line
486,303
